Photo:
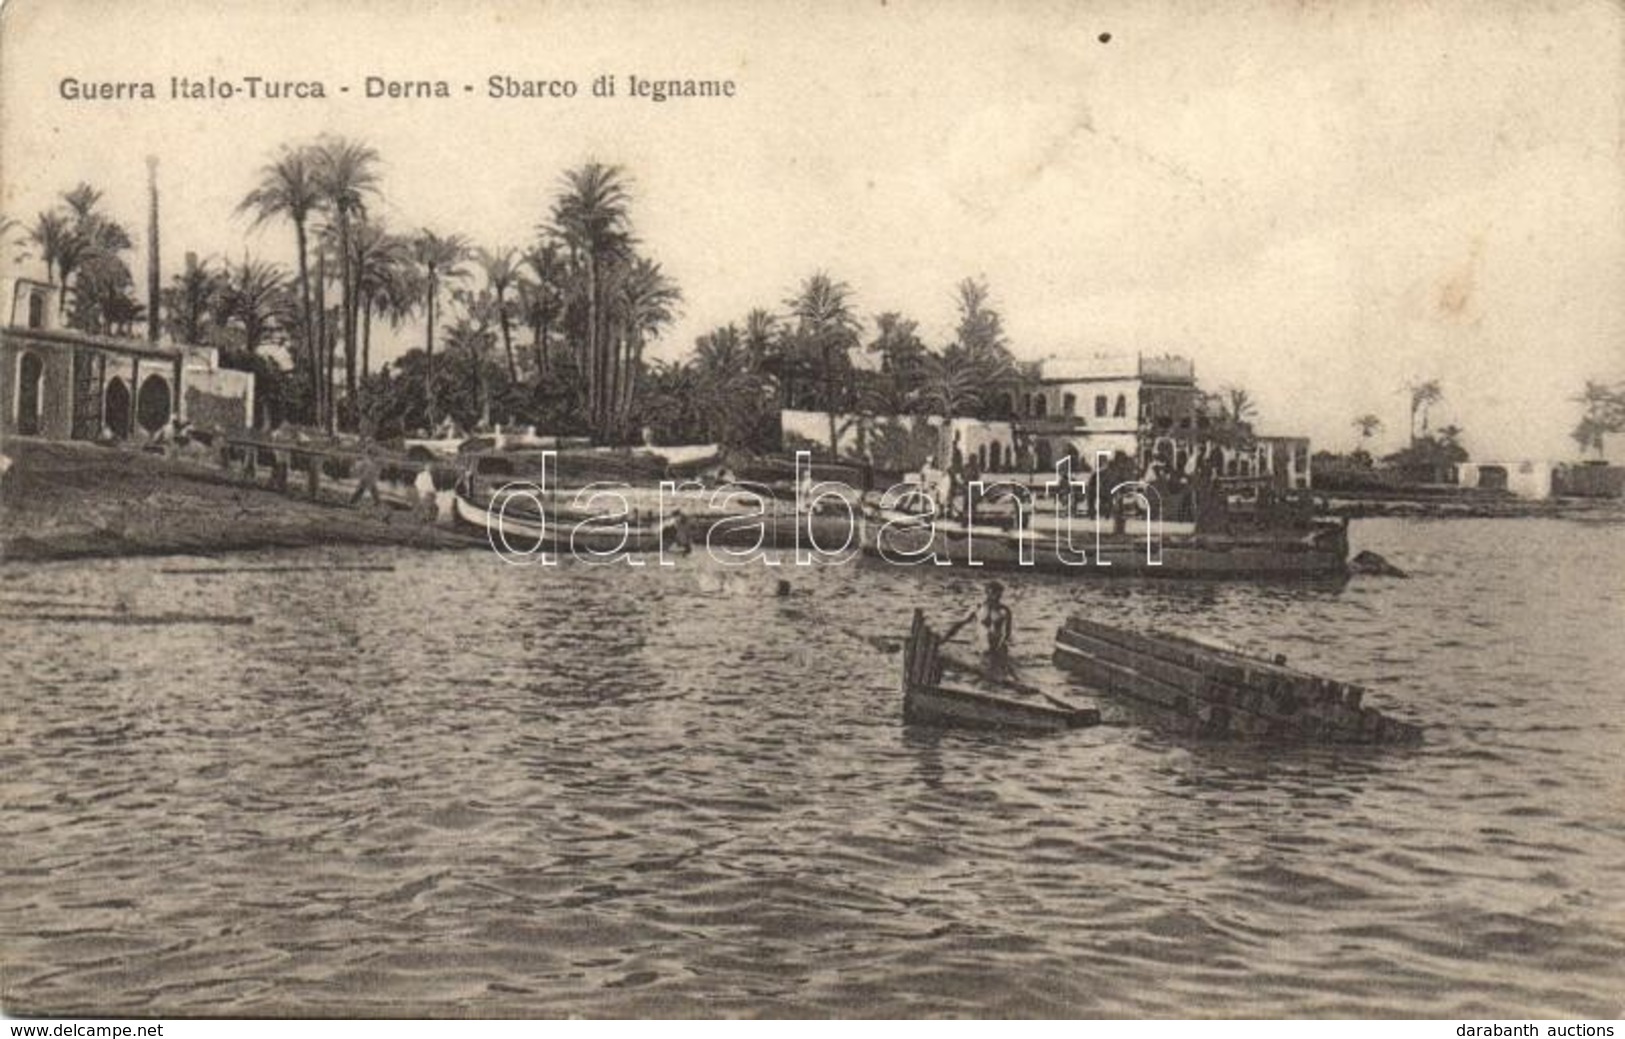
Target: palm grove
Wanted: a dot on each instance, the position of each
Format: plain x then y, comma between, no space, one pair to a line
551,332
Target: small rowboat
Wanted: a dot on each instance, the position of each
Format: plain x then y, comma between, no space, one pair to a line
521,530
1202,690
926,701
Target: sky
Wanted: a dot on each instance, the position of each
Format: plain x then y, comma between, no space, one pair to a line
1317,201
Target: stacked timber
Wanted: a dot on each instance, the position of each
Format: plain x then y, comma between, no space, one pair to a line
1209,691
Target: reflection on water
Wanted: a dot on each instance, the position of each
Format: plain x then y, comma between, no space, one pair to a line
464,787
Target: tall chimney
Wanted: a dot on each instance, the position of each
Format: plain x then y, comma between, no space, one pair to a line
152,248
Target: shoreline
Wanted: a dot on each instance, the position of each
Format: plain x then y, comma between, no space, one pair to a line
71,500
1443,506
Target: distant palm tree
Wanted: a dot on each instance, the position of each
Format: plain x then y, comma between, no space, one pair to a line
195,297
951,383
257,299
1604,414
386,282
981,329
1239,405
1423,396
1369,426
541,299
643,303
470,337
502,278
440,258
288,189
726,389
826,330
590,216
1589,435
52,233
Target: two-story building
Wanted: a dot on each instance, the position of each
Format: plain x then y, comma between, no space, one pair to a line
1086,406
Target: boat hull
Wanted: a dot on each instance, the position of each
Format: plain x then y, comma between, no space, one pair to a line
1290,556
522,533
927,702
946,707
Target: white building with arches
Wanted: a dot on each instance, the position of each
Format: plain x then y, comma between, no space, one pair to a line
69,385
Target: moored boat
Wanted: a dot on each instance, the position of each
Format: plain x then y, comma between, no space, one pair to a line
1320,551
521,530
927,701
1205,690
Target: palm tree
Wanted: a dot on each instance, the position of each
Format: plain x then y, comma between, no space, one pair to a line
82,200
345,175
1604,414
193,299
440,258
470,337
680,404
257,298
101,297
727,391
1589,434
643,303
951,383
1369,426
63,247
981,330
288,189
502,277
590,216
52,234
1423,396
826,331
1239,406
542,300
385,281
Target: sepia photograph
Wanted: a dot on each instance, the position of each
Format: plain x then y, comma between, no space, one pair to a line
872,509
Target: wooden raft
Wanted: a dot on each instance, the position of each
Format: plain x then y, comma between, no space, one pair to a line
1216,692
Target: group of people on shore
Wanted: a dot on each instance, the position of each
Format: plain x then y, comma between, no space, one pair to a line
950,488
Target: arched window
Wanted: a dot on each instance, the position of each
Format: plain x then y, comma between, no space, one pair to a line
116,407
152,404
1121,410
1069,404
1040,405
36,310
1100,405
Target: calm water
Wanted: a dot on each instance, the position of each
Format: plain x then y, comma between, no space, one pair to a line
465,788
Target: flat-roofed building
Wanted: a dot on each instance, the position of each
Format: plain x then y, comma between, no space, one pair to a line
70,385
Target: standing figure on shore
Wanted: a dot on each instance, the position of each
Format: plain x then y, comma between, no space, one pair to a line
1119,470
366,474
